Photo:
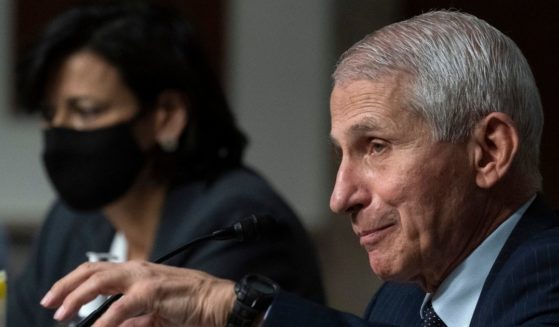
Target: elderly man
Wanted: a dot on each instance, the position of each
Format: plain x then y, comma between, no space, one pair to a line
437,120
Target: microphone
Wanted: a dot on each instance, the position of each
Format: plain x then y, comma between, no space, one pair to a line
251,228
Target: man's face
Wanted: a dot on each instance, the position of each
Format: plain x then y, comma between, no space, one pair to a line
407,194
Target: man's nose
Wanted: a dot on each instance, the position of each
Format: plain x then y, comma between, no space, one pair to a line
345,193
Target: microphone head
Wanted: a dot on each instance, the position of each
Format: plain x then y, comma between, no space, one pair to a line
255,227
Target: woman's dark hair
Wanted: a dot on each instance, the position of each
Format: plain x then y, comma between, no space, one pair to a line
154,50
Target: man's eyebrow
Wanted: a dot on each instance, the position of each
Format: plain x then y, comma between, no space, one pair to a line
352,131
366,125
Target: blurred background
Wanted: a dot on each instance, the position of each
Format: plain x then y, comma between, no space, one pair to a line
275,59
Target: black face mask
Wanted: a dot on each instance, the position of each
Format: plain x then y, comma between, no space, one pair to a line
90,169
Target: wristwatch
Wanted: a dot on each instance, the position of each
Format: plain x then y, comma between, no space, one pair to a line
254,295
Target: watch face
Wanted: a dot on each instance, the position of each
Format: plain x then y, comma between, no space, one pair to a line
262,285
254,293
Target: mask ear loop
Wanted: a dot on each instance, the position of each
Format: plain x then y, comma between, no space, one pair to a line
173,103
164,151
169,146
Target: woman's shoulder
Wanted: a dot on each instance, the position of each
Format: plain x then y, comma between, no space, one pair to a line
63,223
232,195
237,182
60,213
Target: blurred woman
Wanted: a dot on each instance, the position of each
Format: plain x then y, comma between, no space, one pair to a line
144,154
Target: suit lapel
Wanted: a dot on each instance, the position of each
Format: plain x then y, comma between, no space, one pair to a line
538,218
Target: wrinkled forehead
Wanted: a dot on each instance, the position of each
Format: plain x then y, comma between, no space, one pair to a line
348,97
372,107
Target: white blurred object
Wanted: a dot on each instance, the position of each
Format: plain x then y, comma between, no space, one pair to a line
3,297
117,253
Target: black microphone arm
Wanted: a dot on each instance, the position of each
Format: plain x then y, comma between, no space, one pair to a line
253,227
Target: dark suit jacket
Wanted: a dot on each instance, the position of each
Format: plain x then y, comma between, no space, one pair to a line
522,287
191,210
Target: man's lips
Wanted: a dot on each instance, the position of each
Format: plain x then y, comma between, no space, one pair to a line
370,237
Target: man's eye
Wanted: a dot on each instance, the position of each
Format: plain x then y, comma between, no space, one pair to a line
377,147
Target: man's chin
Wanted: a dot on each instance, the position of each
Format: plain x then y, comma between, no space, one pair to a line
386,270
380,268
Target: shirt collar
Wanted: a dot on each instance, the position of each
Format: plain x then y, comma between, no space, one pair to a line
456,298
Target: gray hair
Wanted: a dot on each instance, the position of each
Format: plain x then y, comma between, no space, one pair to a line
459,69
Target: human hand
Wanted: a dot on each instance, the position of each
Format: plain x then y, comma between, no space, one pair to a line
153,294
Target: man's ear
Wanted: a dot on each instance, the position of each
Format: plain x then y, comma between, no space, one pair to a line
171,117
495,147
